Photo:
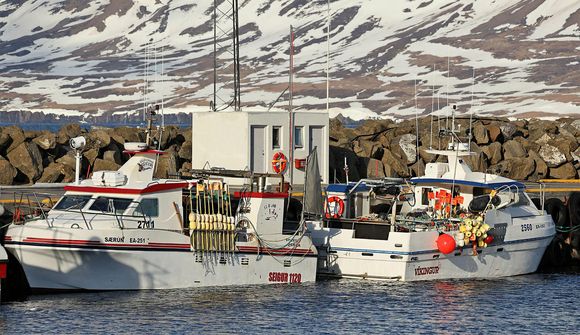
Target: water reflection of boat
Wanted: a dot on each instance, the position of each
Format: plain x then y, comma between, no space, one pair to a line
450,223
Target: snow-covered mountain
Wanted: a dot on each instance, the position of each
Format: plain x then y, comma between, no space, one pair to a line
88,57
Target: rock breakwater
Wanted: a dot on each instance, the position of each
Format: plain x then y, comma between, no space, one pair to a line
527,150
28,157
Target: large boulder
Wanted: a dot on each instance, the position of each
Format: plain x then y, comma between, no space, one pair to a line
369,127
8,172
480,133
552,155
565,171
566,145
4,140
406,147
98,139
508,130
56,173
46,141
394,162
374,168
167,164
113,156
128,134
537,128
493,152
541,170
27,159
520,168
16,135
513,149
426,156
90,155
105,165
477,161
67,132
185,151
168,137
495,134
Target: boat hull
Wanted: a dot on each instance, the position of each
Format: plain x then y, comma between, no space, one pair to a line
137,261
414,256
492,262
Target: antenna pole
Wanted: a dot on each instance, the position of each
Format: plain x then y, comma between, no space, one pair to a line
214,105
290,106
417,129
471,107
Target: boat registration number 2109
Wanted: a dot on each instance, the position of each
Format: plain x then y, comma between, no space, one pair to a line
283,277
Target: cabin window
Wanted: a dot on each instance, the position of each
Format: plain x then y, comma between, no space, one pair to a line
147,207
298,137
276,135
425,195
69,202
110,205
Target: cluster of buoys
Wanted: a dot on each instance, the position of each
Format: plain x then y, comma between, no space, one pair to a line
444,203
212,226
474,231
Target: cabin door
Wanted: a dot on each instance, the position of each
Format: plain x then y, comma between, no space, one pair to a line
315,136
258,149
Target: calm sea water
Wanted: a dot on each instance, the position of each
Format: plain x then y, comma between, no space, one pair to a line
531,304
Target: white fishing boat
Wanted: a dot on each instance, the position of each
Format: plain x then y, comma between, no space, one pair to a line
450,223
125,230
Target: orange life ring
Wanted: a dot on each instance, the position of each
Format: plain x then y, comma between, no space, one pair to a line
279,162
334,207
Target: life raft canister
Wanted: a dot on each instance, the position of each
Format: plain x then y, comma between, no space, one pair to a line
279,162
334,207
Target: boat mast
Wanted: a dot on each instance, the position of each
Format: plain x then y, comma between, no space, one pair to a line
290,105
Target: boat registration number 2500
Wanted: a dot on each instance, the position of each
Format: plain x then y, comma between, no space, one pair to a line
283,277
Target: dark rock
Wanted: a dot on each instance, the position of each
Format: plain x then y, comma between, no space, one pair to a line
27,159
185,169
513,149
336,159
8,173
68,160
425,156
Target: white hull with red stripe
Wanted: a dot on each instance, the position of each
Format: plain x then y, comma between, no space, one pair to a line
52,260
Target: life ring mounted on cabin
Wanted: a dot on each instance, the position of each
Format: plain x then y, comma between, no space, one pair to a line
334,207
279,162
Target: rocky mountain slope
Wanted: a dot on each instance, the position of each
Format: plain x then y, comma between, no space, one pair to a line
88,57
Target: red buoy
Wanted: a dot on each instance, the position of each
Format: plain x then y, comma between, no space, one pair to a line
445,243
488,239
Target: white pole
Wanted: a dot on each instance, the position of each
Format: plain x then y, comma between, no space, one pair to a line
78,167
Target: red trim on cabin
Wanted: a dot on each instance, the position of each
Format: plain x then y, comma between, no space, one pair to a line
118,190
3,267
260,195
134,152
